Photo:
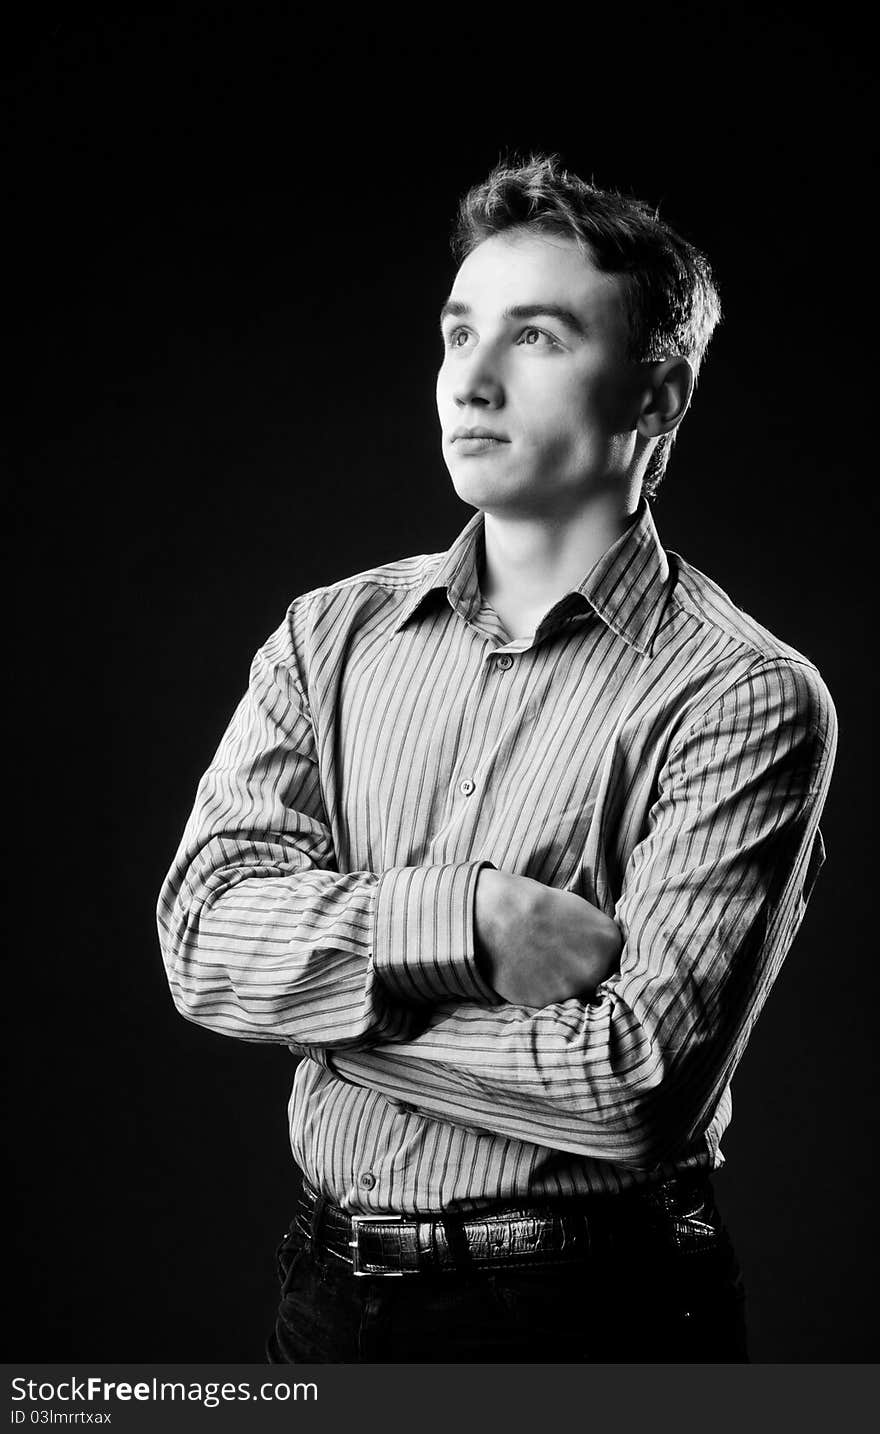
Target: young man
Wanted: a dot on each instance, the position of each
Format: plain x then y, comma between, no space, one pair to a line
509,843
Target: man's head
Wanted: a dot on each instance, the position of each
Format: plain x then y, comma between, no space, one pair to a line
606,392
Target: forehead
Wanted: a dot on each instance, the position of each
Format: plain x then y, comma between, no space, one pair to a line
527,268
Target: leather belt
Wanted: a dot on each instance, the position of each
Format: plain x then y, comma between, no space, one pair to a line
514,1236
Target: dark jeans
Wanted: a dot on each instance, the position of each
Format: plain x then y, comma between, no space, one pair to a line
630,1305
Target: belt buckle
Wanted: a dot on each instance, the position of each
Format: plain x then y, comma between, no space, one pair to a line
357,1223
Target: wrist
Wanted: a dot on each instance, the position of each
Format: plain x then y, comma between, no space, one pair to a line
488,912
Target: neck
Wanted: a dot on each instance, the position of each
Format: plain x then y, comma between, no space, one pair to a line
531,560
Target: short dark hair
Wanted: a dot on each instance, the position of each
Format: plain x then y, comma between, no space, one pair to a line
672,302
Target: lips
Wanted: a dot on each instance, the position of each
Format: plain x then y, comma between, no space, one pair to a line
466,433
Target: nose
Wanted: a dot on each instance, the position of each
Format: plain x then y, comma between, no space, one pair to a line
478,382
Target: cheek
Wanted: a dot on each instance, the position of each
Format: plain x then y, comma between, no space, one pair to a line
614,401
444,391
562,419
579,416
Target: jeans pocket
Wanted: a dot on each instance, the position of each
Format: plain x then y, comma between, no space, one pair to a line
288,1254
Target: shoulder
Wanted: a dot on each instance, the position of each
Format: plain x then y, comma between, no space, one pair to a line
715,614
380,589
327,619
739,666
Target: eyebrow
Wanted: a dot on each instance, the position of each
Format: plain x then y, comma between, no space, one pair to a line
522,311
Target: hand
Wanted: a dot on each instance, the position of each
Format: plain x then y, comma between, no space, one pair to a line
536,944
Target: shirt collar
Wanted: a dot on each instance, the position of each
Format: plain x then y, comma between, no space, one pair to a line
455,571
627,587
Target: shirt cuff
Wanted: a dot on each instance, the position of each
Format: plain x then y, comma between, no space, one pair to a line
423,933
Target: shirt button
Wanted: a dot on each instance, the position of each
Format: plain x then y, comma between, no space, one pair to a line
367,1181
467,787
504,662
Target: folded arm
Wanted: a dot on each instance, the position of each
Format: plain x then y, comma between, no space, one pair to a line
710,902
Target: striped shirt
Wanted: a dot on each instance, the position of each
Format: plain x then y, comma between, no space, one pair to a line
650,747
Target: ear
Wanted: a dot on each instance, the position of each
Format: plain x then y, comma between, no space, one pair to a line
665,401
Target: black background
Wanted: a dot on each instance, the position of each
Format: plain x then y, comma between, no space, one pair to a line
226,250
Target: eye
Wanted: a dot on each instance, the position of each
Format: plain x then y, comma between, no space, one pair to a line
457,338
537,338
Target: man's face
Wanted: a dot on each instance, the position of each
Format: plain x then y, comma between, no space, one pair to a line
535,356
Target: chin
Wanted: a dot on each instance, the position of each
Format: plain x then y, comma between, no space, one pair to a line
497,499
479,489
